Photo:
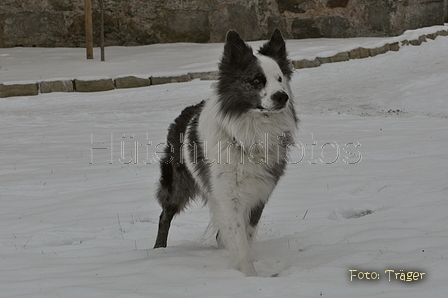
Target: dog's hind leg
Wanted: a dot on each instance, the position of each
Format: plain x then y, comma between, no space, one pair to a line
173,201
164,225
177,187
254,218
175,190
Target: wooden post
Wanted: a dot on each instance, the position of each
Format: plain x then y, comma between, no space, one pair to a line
102,30
89,31
446,11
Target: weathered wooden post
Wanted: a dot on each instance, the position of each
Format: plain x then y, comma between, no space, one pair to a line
102,30
446,11
89,31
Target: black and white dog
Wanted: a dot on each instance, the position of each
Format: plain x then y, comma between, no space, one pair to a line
232,148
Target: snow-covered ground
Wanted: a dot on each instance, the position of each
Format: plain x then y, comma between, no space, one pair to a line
46,64
370,195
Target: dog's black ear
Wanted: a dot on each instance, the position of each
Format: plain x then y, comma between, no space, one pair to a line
236,51
276,49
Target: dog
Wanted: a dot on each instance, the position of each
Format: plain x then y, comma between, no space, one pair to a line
232,149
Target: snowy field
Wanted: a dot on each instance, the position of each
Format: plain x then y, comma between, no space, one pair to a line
47,64
78,217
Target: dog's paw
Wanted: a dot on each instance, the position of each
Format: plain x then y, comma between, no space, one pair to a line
248,270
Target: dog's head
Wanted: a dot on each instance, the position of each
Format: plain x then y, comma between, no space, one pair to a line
254,82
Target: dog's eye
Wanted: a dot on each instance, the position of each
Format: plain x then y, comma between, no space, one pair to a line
257,81
280,79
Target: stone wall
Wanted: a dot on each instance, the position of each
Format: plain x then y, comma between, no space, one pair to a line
50,23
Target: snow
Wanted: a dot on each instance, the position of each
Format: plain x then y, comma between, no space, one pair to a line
370,195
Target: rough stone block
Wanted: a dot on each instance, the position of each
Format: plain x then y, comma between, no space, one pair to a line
19,89
171,79
431,36
56,86
323,60
363,53
405,42
354,54
209,75
379,50
415,42
442,33
395,46
359,53
94,85
305,63
339,57
131,82
419,41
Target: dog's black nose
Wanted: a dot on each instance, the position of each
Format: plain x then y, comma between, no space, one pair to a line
280,97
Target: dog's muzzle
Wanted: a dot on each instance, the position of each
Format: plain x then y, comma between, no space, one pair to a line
279,98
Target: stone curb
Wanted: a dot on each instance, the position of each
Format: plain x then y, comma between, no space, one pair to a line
210,75
18,89
132,82
359,53
380,50
57,86
94,85
340,57
362,52
170,79
299,64
105,84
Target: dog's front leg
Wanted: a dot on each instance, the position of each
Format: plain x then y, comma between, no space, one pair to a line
229,215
